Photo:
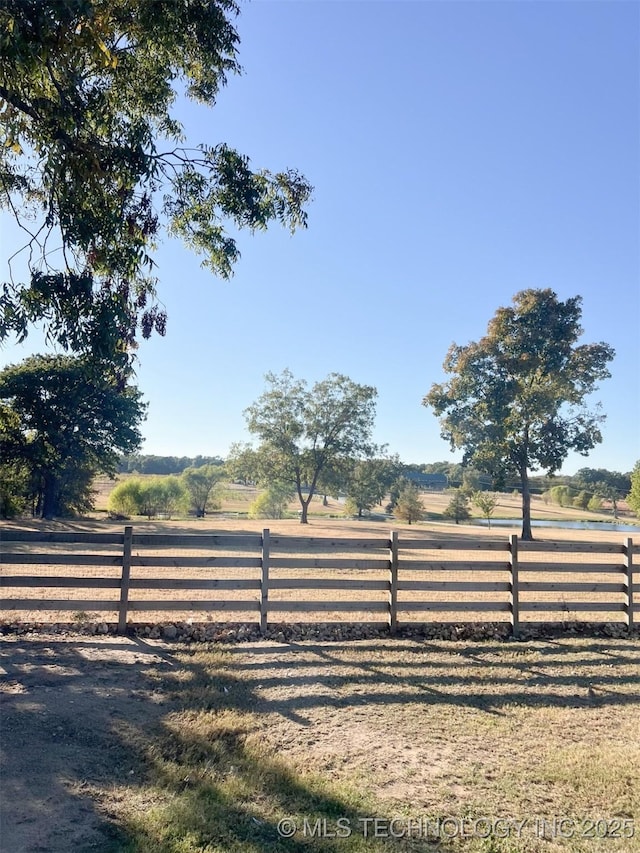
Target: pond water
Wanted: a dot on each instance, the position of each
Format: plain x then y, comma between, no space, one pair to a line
567,525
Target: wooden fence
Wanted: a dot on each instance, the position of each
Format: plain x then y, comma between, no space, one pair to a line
376,580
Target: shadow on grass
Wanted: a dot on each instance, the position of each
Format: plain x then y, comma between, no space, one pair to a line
486,676
125,745
131,748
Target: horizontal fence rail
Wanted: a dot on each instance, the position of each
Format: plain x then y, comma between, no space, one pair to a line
373,580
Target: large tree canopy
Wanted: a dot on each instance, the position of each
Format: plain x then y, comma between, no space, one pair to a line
303,432
65,420
92,161
516,399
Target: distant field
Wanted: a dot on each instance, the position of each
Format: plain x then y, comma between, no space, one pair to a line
237,498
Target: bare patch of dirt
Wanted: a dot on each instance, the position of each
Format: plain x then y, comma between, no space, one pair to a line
62,701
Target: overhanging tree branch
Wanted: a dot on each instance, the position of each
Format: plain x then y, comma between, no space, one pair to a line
87,90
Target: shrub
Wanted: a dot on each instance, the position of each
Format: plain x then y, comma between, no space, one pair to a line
351,507
170,495
581,500
563,495
595,503
272,503
149,496
125,499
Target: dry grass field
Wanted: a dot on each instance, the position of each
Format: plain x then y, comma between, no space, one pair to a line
236,499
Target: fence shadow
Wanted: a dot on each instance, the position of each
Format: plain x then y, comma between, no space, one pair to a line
94,716
82,716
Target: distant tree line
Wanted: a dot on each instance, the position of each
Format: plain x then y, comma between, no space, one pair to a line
590,488
459,476
140,463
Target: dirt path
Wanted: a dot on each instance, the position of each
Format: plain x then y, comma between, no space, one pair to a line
61,702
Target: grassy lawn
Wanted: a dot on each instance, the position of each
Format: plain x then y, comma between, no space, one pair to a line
503,742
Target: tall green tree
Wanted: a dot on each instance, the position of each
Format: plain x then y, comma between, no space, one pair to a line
606,491
15,479
409,506
302,431
516,399
242,463
93,162
370,481
68,420
633,498
334,479
199,483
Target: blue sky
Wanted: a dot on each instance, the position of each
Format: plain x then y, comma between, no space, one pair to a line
460,152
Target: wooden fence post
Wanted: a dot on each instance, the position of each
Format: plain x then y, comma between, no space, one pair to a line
264,583
515,592
627,550
124,581
393,582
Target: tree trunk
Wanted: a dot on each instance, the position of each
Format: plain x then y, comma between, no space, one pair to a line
312,491
303,511
526,535
303,514
49,497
